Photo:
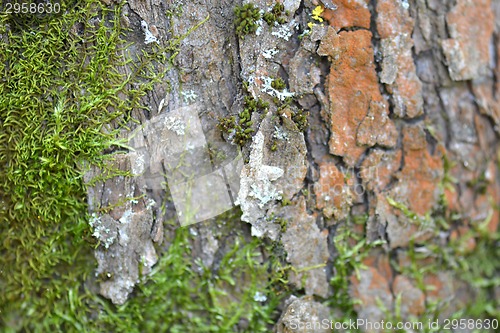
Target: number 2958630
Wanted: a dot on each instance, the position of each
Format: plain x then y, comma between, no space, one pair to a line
31,8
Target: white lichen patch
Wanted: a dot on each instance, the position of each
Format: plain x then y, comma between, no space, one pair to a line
283,31
126,216
138,164
260,24
102,231
189,96
268,89
264,195
256,187
280,134
404,4
175,124
148,35
269,54
150,204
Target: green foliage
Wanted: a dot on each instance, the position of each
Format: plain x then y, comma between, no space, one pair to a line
57,98
278,84
180,295
300,119
275,15
240,129
254,105
479,268
246,19
425,222
351,249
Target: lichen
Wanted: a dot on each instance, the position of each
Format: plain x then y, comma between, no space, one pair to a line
268,54
280,134
101,232
256,187
284,31
267,87
175,124
148,35
316,13
189,96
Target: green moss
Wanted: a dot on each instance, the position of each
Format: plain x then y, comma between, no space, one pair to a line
274,146
350,251
477,268
300,119
240,130
479,184
278,84
282,223
275,15
285,202
182,295
254,105
246,19
58,95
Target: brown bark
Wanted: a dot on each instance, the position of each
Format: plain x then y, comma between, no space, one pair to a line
402,96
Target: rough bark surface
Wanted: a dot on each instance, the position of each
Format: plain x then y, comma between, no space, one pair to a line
393,89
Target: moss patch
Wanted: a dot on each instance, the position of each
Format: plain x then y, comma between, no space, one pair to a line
240,130
246,19
275,15
58,96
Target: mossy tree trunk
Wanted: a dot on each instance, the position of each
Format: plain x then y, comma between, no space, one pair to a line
368,180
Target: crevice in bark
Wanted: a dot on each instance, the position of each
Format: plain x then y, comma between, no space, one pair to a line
496,70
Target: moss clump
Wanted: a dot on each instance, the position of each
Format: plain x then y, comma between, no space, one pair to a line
282,223
278,84
184,295
275,15
240,130
274,146
246,19
255,104
300,119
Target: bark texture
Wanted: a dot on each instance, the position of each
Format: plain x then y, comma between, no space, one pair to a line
402,96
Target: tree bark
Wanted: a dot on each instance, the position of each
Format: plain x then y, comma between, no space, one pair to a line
403,111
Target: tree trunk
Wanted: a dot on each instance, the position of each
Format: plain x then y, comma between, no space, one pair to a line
356,142
402,112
